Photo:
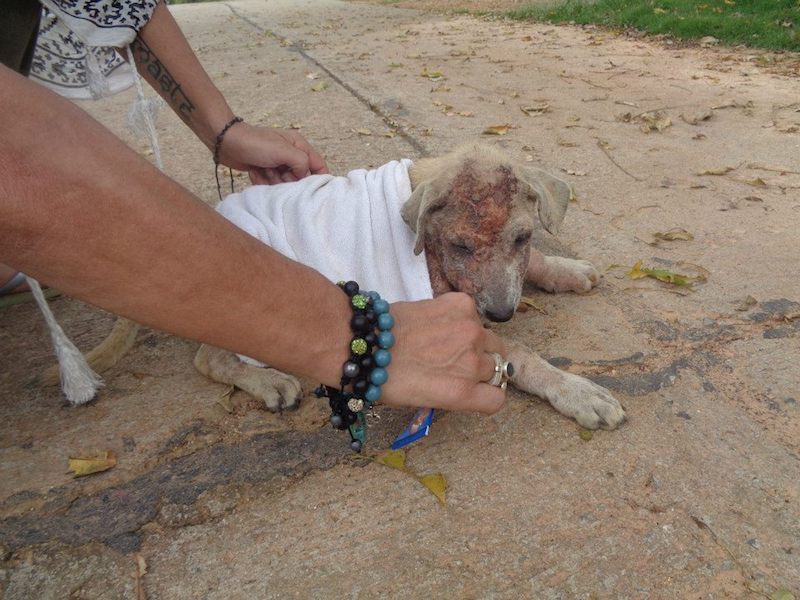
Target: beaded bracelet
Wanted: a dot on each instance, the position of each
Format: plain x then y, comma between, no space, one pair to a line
217,148
365,369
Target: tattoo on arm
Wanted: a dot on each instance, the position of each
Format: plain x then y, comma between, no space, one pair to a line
162,80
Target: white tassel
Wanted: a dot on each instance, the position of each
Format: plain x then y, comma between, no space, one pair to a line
95,78
79,382
143,112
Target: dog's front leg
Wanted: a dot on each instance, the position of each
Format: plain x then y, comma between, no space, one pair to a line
558,274
278,390
591,405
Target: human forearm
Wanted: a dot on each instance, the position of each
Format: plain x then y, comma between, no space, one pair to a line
165,59
88,216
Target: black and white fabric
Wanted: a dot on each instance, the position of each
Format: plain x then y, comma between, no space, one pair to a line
75,53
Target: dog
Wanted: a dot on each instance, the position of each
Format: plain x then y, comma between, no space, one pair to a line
469,219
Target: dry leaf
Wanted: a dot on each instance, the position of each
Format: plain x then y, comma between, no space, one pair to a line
362,131
535,109
653,121
746,303
676,233
225,399
95,461
318,87
526,302
757,182
437,484
586,434
434,75
395,459
575,173
697,117
664,275
496,130
718,171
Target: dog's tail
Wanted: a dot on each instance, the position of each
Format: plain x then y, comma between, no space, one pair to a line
106,354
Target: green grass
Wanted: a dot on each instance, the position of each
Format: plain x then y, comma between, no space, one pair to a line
772,24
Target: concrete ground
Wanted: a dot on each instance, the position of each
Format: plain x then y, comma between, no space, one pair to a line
696,496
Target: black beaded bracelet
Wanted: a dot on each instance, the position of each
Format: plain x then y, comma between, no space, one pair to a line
218,147
365,370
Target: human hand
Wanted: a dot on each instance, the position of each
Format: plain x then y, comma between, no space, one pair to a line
270,155
442,357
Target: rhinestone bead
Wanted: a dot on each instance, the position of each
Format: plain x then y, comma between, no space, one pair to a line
358,346
355,405
359,301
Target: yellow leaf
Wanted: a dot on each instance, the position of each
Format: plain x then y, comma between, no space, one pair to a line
673,234
586,434
665,275
436,484
496,130
395,459
95,461
318,87
432,74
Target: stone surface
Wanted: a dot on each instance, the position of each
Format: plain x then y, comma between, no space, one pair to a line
696,496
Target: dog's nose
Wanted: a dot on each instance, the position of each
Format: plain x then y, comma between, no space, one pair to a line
500,317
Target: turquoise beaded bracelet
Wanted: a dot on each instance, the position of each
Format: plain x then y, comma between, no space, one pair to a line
364,372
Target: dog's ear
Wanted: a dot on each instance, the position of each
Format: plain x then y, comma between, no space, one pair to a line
415,212
553,194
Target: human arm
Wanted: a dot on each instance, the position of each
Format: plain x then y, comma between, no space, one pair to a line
85,214
165,59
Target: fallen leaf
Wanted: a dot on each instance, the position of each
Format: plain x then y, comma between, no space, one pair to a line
496,130
436,484
575,173
535,109
141,571
653,121
676,233
96,461
225,399
395,459
318,87
664,275
757,182
781,595
362,131
753,199
697,117
586,434
432,74
529,302
746,303
717,171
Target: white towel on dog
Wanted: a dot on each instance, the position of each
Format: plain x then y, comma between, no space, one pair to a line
344,227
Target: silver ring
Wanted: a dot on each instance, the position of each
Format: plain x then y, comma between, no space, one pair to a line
503,371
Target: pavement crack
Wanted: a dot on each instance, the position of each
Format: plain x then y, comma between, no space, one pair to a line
388,119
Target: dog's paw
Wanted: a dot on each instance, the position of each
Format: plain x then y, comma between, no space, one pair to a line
567,275
278,390
591,405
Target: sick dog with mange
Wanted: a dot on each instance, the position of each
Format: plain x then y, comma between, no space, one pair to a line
468,217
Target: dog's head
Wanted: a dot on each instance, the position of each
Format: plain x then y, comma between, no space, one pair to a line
474,212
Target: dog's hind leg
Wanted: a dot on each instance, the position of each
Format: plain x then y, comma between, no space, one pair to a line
558,274
278,390
591,405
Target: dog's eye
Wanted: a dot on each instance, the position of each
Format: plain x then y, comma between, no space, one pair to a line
523,239
463,247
